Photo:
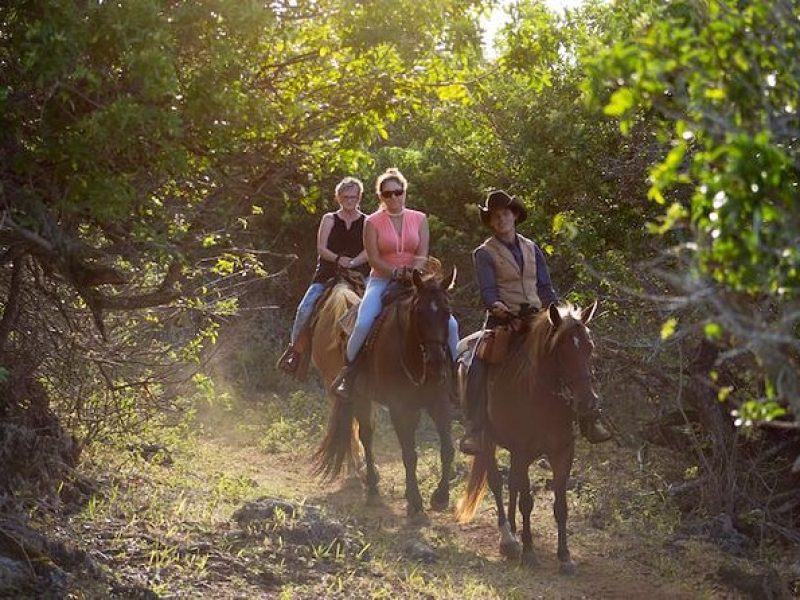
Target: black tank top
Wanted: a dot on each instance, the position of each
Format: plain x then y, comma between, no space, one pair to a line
341,240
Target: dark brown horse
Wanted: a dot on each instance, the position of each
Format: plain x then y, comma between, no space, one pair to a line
407,368
529,417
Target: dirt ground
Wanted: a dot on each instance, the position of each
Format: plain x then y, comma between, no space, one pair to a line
613,561
170,530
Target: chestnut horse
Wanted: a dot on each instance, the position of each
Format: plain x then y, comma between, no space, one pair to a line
529,417
329,339
406,367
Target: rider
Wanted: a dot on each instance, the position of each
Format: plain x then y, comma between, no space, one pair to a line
396,239
339,245
511,273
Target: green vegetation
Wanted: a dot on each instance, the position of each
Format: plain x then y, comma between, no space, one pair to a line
163,167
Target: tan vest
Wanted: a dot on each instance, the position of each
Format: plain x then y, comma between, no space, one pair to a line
515,287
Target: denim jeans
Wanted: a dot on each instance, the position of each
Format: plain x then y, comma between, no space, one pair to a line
368,311
305,307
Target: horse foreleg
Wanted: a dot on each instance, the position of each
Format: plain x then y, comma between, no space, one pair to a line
365,414
509,546
518,478
440,413
561,465
405,421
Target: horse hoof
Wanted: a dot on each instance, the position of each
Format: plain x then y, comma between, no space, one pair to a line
510,549
529,559
568,567
440,502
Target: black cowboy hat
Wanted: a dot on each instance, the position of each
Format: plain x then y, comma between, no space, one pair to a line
501,199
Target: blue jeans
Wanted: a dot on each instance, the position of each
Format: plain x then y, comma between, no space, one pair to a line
305,307
368,311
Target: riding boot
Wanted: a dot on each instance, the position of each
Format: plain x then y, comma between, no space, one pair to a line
342,386
591,428
289,360
474,409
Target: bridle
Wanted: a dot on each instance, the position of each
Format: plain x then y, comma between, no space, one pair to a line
426,345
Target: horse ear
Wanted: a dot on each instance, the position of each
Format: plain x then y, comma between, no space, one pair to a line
588,312
554,315
449,283
416,278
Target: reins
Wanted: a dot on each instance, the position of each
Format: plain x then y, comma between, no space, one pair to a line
415,382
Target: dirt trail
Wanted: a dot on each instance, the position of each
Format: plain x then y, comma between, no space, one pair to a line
611,564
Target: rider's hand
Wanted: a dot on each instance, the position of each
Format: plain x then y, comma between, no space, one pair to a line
344,261
402,274
499,309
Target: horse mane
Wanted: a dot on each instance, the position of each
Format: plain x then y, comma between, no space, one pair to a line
523,367
341,297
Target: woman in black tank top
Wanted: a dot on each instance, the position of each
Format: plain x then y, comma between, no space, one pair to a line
339,244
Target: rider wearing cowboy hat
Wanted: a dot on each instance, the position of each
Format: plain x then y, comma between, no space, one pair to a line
513,277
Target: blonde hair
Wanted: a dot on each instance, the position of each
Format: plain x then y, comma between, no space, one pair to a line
388,174
349,182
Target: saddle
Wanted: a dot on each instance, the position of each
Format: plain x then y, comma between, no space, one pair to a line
493,345
496,343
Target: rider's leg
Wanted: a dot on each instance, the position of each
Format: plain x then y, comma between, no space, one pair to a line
368,311
452,337
474,408
290,359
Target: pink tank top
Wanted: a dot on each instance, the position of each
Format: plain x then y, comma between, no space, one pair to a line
398,251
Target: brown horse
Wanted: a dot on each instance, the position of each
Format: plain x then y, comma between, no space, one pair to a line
529,417
407,368
328,342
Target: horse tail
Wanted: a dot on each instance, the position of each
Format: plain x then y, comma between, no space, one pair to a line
340,443
476,487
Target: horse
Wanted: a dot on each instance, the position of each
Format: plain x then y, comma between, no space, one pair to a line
529,417
329,339
407,368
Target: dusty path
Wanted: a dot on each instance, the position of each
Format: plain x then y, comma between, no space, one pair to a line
613,562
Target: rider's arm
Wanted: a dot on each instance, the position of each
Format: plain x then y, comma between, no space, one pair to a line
487,282
544,287
324,232
424,244
383,268
359,260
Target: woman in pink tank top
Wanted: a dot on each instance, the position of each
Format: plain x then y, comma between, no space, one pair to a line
395,237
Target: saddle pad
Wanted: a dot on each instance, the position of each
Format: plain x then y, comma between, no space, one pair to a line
466,348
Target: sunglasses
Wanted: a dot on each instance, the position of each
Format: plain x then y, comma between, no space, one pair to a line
390,193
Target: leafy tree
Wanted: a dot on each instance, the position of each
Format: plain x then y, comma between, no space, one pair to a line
724,80
157,156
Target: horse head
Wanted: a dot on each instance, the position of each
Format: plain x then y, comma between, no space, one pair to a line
430,319
573,349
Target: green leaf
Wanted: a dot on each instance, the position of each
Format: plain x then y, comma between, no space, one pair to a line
713,331
668,328
621,102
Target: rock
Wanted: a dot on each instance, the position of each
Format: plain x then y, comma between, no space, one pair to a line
762,586
420,551
719,531
15,577
263,509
